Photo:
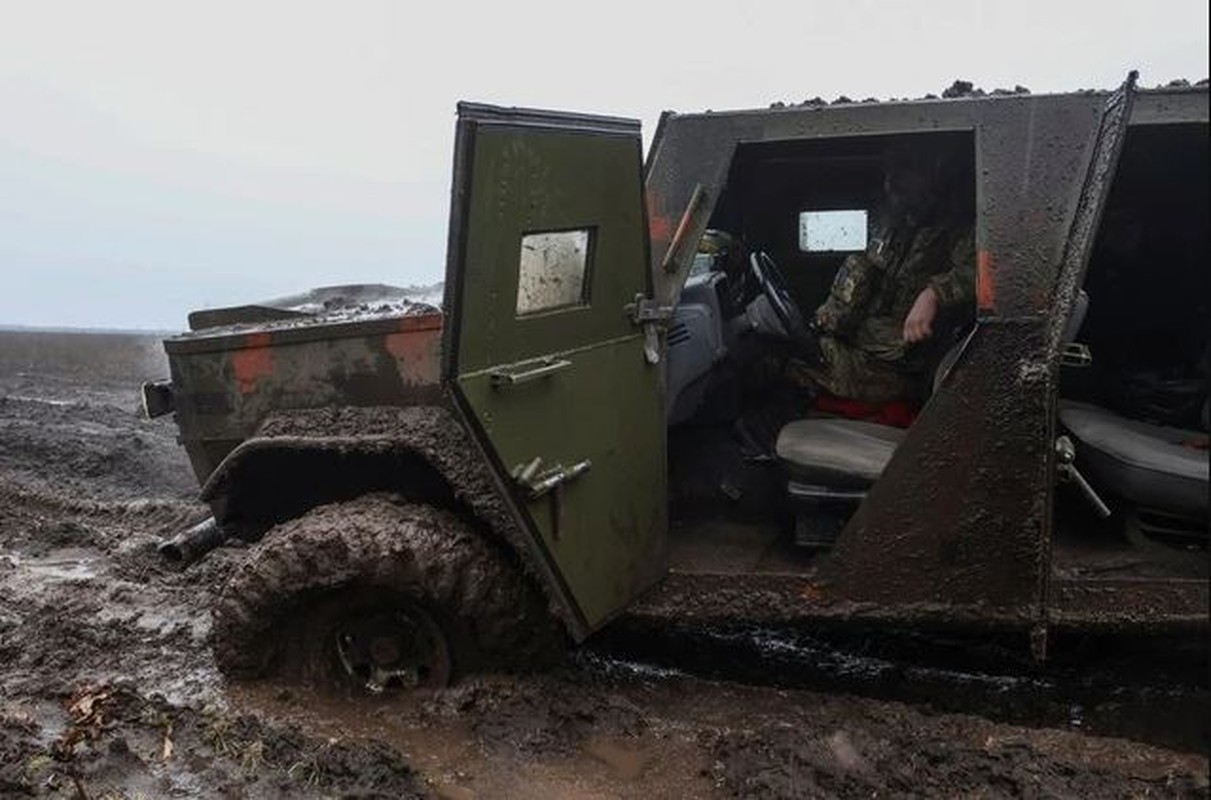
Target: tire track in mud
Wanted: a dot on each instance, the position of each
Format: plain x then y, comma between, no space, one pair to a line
157,512
84,595
90,618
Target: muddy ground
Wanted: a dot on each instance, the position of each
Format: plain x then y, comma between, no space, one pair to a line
108,690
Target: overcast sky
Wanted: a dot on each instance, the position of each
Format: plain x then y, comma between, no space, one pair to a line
157,157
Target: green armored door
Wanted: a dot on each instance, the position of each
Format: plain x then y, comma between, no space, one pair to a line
548,246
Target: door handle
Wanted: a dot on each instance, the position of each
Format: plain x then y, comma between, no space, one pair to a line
506,376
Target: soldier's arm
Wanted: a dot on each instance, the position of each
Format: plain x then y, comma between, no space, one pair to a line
956,288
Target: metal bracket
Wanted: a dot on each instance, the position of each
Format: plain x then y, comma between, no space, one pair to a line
1065,453
652,316
1076,354
645,310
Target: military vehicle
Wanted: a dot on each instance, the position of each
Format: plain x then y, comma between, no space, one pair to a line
598,419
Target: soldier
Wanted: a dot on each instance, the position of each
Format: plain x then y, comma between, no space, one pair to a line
879,327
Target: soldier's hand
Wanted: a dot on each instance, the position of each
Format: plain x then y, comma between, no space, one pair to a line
918,325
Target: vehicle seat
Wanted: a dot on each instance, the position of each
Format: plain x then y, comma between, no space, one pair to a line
1150,465
848,454
840,453
844,454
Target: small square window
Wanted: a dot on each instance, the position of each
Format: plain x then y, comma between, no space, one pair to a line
552,271
832,231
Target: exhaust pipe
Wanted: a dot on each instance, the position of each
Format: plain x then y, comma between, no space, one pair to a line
192,543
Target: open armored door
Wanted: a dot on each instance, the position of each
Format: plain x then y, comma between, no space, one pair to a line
548,245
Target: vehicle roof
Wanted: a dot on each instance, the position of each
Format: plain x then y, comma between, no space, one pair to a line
964,94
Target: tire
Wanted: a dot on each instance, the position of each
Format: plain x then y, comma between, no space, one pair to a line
303,603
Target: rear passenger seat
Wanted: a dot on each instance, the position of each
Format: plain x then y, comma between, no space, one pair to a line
1150,465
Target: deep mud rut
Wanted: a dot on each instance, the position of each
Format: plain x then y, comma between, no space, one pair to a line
108,689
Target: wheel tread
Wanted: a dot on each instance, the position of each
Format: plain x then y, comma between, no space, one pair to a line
377,542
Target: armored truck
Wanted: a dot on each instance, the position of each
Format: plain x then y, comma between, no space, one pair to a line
601,415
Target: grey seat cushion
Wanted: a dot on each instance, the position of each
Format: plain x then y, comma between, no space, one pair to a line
1144,463
840,453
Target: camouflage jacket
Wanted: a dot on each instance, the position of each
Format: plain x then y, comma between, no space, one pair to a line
872,294
861,324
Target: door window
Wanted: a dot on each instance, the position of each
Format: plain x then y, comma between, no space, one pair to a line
552,269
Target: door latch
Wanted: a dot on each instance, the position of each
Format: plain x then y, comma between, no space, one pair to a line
549,483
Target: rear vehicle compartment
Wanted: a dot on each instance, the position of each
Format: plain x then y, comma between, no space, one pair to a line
1138,412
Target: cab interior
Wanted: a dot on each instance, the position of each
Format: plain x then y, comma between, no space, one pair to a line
762,475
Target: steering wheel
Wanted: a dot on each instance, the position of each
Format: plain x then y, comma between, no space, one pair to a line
773,286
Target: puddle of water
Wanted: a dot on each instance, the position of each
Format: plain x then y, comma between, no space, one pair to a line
456,764
48,718
621,667
66,565
396,720
42,400
625,759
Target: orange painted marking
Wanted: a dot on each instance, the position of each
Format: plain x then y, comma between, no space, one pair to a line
416,347
253,361
986,281
660,227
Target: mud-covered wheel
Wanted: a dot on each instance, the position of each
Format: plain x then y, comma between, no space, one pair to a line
379,594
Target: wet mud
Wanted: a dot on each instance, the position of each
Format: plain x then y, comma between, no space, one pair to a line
1148,689
108,687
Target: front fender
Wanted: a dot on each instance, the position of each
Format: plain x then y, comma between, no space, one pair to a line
298,460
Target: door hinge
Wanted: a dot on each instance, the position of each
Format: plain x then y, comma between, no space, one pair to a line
652,316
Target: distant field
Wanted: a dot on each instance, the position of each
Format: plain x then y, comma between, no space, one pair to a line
5,328
68,364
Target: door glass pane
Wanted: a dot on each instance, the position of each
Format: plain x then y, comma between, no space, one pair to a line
552,271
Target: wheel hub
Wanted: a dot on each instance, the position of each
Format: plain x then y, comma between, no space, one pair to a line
395,648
